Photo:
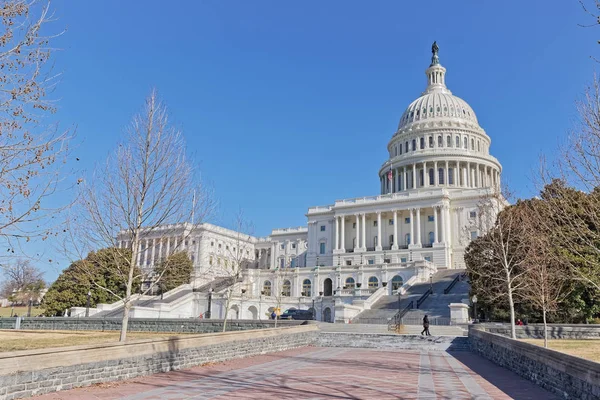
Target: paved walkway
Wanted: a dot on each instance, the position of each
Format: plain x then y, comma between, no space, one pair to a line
327,373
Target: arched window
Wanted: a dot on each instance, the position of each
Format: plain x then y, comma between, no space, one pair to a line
472,144
457,142
286,289
430,142
373,282
441,175
465,143
448,141
450,176
414,144
478,146
391,242
397,282
421,182
406,147
306,288
440,141
431,237
422,143
431,177
407,239
267,288
350,284
400,146
354,242
375,241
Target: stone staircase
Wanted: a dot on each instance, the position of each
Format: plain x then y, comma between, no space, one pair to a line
435,305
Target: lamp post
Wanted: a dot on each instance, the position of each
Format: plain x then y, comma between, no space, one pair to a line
399,301
430,283
474,300
313,309
208,311
29,308
262,293
321,301
87,307
242,304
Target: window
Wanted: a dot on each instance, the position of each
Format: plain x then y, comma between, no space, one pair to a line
397,282
450,176
449,141
322,248
293,245
267,288
407,239
354,242
354,225
472,214
387,260
374,241
306,288
441,175
350,283
400,148
391,240
322,228
473,235
457,142
293,262
391,222
406,147
286,288
219,245
407,220
374,223
370,261
212,243
282,262
466,143
431,238
210,260
402,259
422,143
478,146
472,144
427,258
440,141
430,141
414,144
430,218
373,282
282,246
348,262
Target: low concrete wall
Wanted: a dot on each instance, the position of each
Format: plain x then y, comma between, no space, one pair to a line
187,325
392,341
569,377
32,372
555,331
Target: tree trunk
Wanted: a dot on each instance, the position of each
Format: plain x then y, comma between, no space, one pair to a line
227,304
127,307
545,328
513,331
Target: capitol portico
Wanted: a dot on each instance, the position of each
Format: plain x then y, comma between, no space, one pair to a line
438,170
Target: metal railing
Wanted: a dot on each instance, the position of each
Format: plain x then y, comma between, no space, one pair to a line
435,321
424,297
396,320
452,284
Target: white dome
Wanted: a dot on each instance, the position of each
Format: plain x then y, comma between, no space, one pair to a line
437,104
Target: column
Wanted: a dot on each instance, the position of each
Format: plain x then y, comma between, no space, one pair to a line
364,231
343,234
378,247
456,178
337,236
357,244
392,183
436,239
447,176
412,227
425,175
405,177
443,224
448,226
436,176
153,252
398,180
472,176
160,249
414,174
168,247
395,245
273,254
418,211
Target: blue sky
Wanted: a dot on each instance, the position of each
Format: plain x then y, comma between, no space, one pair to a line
287,105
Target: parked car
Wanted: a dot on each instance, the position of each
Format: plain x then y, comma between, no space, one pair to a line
297,314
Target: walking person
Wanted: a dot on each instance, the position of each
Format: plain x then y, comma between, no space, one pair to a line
425,326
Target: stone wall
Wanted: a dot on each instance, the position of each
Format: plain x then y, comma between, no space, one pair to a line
187,325
50,370
555,331
392,341
569,377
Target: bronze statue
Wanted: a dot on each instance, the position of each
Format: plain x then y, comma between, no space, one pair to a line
434,51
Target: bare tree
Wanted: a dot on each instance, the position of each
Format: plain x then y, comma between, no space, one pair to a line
146,183
282,287
31,154
22,280
237,259
497,259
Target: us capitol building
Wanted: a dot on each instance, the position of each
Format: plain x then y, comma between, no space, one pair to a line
353,251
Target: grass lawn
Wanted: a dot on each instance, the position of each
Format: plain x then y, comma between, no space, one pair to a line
584,348
11,340
5,311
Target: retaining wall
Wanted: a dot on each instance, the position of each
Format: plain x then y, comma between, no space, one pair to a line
187,325
555,331
32,372
568,376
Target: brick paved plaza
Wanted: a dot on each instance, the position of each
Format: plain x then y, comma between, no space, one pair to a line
327,373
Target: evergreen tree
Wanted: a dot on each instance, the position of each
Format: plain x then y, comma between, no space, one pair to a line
176,270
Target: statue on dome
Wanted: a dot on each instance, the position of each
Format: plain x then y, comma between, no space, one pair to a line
434,50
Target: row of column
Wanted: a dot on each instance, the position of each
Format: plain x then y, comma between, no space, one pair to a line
462,173
440,213
149,248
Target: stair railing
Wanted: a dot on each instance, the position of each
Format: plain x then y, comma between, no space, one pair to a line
451,285
424,297
396,320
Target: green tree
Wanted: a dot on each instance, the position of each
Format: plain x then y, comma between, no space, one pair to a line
176,270
98,269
